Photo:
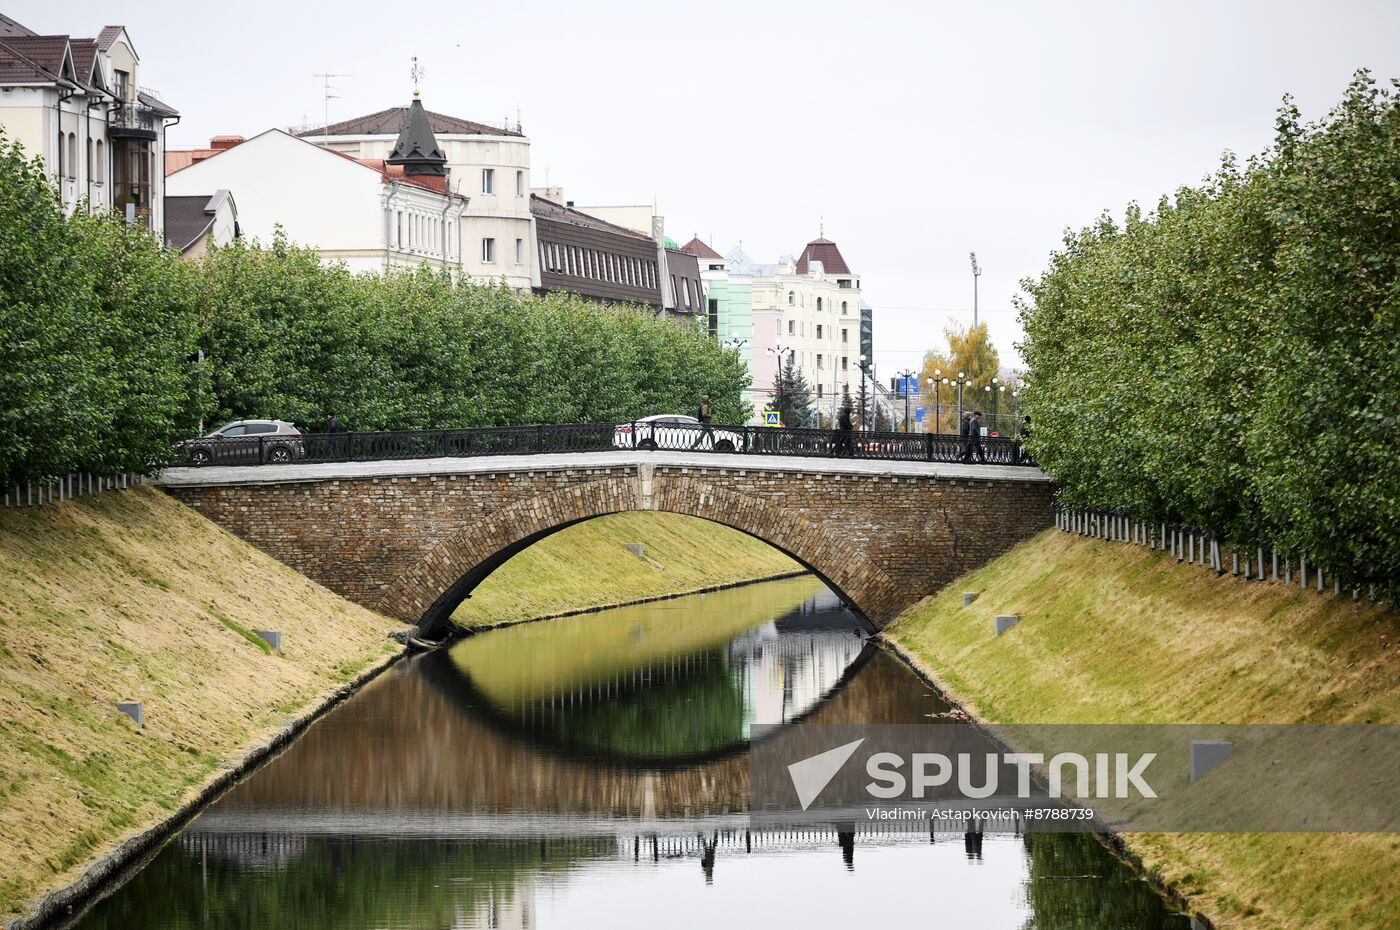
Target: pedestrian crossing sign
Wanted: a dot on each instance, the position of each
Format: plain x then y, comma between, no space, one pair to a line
772,418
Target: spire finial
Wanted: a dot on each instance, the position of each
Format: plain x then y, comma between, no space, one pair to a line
417,73
821,227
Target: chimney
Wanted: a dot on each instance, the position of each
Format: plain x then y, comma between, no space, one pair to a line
223,143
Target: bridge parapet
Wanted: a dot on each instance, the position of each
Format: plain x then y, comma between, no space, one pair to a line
411,539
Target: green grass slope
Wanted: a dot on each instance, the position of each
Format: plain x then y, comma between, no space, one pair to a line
1113,633
588,565
130,596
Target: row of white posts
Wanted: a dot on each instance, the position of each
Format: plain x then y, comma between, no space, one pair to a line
83,484
1201,547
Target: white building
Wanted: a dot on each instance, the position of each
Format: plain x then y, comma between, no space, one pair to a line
811,306
78,104
371,215
488,165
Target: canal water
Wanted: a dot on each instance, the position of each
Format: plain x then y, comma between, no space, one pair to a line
591,772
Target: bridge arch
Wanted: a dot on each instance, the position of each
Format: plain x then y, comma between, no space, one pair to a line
430,590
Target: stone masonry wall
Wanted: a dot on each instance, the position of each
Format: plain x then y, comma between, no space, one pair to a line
412,547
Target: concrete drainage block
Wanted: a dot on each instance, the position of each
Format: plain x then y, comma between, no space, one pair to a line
637,549
1006,621
969,597
1206,754
272,637
133,710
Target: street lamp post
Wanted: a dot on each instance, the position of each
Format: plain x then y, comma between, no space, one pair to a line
976,273
778,351
904,377
864,418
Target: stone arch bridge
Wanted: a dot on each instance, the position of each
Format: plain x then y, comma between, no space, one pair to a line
411,539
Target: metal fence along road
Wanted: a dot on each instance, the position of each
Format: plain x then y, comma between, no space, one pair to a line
594,437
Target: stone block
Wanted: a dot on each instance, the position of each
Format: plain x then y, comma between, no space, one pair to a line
1005,622
133,710
1206,754
272,637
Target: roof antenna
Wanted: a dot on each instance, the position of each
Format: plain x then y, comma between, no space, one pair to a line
327,96
821,227
417,72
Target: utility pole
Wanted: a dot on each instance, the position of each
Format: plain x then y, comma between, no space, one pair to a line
976,273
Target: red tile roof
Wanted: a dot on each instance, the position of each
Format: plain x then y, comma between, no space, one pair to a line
389,122
700,249
826,252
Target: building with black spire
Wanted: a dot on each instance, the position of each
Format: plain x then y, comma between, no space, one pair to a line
372,214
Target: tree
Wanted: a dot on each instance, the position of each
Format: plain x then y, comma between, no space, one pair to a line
1232,359
970,352
793,395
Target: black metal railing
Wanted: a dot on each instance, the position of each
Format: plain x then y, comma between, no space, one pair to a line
594,437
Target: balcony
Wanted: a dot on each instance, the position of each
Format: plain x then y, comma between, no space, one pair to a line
130,120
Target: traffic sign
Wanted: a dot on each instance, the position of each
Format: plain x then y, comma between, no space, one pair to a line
772,418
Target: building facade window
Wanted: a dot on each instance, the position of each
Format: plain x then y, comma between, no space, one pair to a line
843,336
520,251
843,363
714,317
488,251
819,305
843,308
819,360
792,299
792,328
488,180
101,173
819,330
520,184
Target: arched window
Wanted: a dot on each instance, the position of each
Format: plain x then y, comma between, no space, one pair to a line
819,305
72,155
843,308
792,298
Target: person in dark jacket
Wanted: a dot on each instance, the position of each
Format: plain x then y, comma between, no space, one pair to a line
703,415
974,439
1021,454
844,426
337,446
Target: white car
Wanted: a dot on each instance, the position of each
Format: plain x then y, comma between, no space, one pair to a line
675,431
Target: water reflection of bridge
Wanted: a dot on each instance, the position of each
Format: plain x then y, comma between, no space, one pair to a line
405,746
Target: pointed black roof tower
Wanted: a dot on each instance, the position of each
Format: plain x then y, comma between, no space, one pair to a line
417,148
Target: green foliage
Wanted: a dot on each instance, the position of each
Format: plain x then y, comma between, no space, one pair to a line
99,323
96,321
1233,360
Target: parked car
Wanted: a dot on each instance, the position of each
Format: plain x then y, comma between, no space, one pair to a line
674,431
246,442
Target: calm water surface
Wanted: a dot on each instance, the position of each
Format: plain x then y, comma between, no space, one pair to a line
591,772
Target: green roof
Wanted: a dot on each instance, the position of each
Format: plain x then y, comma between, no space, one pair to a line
671,244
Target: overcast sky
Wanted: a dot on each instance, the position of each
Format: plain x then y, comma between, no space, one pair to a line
916,132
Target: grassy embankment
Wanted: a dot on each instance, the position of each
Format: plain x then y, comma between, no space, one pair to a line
130,596
563,572
133,597
1113,633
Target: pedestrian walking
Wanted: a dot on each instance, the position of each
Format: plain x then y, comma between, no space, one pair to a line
962,434
703,415
337,444
974,439
844,426
1021,455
